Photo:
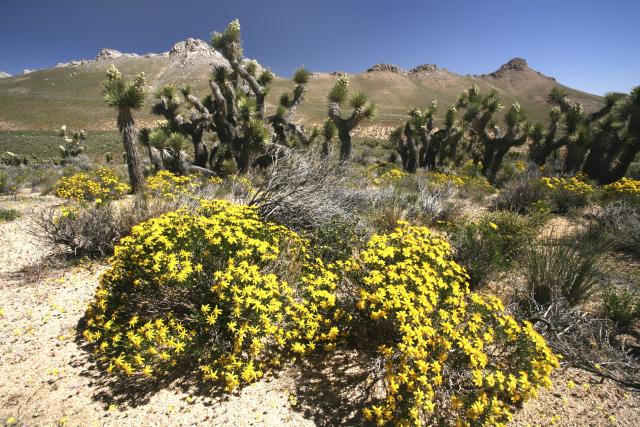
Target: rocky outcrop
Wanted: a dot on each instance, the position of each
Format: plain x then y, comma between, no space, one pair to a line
4,75
424,68
386,67
27,71
190,48
106,54
71,63
515,64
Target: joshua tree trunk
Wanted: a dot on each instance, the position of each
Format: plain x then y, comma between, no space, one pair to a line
326,147
127,128
344,135
156,158
412,151
200,150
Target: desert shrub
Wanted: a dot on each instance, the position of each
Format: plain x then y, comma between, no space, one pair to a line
621,307
492,244
567,193
304,192
166,184
389,170
476,188
416,198
90,231
522,194
101,186
223,292
93,229
619,224
219,289
437,343
626,189
565,269
8,215
441,178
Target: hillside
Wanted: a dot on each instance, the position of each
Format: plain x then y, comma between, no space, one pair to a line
70,93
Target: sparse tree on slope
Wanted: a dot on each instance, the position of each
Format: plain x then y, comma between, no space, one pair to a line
362,110
480,113
126,97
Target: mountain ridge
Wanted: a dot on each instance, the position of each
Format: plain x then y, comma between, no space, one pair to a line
70,93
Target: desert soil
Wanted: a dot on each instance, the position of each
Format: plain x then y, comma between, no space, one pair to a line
47,378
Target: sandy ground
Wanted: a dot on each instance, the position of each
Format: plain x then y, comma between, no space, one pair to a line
48,379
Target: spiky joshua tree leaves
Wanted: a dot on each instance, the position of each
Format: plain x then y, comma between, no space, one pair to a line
126,97
362,110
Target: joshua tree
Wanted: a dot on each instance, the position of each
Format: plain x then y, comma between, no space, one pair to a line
126,97
234,112
362,109
566,120
72,146
601,145
614,138
436,146
479,114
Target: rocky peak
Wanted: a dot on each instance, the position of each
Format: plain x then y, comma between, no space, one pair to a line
107,54
193,47
515,64
4,75
386,67
424,68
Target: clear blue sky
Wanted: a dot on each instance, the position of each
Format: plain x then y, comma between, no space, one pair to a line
592,45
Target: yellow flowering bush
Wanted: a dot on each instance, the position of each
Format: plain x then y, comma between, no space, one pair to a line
101,186
220,289
625,188
385,174
449,356
222,292
167,185
440,178
565,193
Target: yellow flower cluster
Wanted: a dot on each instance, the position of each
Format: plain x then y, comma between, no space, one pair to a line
385,175
451,357
440,178
626,187
211,286
167,185
101,186
575,185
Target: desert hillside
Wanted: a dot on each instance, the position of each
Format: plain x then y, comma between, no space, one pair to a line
70,93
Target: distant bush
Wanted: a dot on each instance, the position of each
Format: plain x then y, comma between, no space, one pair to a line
101,186
626,189
566,269
522,194
618,223
621,307
414,197
567,193
8,215
491,244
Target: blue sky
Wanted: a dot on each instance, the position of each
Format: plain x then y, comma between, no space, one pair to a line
589,45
